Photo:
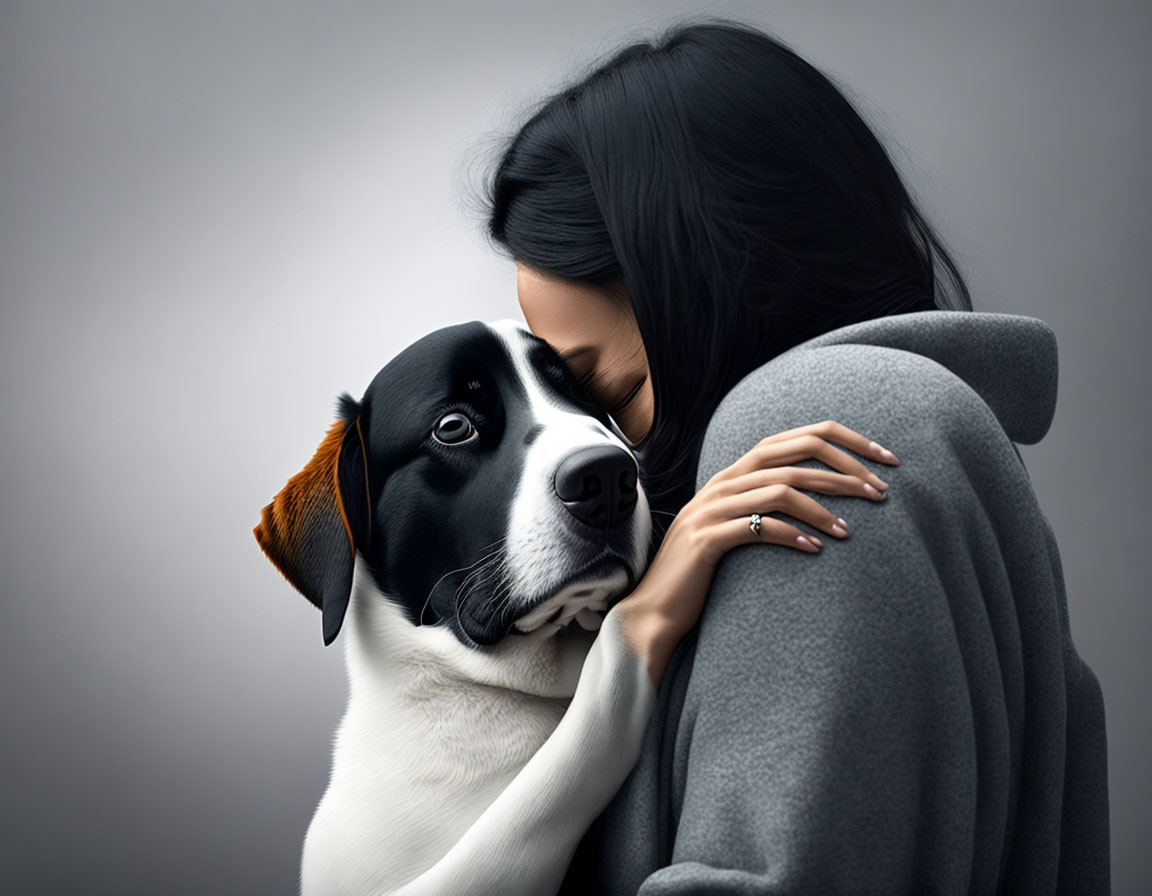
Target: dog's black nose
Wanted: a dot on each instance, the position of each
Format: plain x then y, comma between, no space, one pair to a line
598,485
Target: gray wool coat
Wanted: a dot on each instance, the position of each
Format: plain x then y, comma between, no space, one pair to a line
904,712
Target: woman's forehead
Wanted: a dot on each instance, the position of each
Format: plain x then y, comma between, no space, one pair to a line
569,314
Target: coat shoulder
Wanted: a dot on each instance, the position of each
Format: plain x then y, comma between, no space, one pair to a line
887,394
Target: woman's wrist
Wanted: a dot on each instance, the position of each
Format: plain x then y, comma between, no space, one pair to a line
650,635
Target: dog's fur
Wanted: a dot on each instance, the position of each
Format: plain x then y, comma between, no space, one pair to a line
455,570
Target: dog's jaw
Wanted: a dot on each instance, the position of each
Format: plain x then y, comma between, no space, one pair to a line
583,601
383,647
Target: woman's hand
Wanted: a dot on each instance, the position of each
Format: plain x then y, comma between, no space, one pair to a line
670,598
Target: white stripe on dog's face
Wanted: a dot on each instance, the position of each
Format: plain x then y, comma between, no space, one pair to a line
545,546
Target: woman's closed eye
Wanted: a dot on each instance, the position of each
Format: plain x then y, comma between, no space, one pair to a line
632,393
589,377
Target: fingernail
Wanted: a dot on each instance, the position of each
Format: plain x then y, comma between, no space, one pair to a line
883,452
839,530
873,492
816,541
806,544
841,522
880,483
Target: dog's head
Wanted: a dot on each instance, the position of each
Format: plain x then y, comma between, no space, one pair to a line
481,485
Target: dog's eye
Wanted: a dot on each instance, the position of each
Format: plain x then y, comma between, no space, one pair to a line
562,379
453,428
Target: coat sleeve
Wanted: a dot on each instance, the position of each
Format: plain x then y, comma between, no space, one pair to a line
854,719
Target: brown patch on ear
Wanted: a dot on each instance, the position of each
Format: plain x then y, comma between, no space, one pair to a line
306,534
367,489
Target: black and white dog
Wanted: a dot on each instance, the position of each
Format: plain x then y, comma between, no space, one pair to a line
474,502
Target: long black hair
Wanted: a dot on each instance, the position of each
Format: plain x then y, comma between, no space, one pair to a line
737,197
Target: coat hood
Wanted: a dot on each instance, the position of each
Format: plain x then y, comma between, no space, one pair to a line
1010,360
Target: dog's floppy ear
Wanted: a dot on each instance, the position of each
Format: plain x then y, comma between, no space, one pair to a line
311,529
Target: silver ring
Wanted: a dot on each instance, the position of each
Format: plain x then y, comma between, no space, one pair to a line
754,524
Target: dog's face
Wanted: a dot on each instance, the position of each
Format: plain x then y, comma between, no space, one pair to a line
482,486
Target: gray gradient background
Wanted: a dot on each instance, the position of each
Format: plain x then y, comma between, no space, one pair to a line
217,216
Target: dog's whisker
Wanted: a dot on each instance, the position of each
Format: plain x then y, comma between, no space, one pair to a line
507,593
495,570
498,541
471,581
475,574
503,584
502,594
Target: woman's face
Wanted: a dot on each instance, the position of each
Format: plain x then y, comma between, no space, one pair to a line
599,342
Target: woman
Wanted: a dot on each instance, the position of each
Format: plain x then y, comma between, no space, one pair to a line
723,251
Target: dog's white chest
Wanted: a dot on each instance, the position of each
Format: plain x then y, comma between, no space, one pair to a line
420,753
424,778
